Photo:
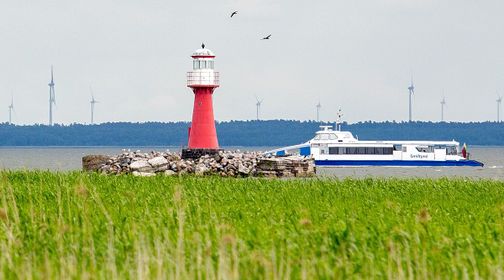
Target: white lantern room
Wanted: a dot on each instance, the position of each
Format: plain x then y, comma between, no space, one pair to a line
203,73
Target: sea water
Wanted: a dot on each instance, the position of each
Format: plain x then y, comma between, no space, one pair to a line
69,158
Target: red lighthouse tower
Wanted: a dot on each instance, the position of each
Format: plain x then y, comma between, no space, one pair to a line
202,80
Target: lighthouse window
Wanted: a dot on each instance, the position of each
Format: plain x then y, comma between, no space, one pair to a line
210,64
195,64
203,64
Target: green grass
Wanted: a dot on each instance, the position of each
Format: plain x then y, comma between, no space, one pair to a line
76,225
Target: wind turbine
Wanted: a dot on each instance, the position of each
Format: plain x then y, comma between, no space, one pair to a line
443,103
52,97
499,101
411,90
11,108
258,107
318,111
93,102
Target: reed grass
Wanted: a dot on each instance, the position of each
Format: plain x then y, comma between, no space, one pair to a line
88,226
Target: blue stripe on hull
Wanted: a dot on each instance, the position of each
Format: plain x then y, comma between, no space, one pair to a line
397,163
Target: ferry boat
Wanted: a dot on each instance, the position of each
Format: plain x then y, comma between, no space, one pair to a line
340,148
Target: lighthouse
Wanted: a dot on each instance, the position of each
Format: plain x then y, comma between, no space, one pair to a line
203,80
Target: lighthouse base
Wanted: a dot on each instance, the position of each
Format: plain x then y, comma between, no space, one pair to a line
197,153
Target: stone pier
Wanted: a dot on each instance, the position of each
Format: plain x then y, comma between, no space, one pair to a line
221,163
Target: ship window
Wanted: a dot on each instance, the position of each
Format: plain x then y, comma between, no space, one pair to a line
337,150
351,150
324,137
404,149
451,150
424,149
332,137
397,147
363,150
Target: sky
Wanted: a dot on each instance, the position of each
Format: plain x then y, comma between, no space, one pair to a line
357,55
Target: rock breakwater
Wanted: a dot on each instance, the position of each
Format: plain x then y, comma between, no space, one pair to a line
225,164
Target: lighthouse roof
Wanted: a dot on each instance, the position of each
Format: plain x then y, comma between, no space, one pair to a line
203,53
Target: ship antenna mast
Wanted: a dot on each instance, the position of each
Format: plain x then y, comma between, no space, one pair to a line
338,120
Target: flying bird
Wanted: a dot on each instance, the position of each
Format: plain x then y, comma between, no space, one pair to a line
234,13
266,38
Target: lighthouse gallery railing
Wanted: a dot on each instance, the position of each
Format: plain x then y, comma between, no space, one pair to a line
203,78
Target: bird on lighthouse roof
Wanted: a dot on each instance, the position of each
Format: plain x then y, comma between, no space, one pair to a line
203,51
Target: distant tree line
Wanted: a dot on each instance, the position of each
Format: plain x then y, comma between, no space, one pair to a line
242,133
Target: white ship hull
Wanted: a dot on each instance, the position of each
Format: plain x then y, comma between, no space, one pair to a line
340,148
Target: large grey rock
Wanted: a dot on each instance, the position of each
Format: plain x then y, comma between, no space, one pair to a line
172,157
94,162
143,174
141,166
161,168
173,166
157,161
243,170
201,169
170,173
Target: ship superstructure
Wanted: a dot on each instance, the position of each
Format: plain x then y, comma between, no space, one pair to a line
340,148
